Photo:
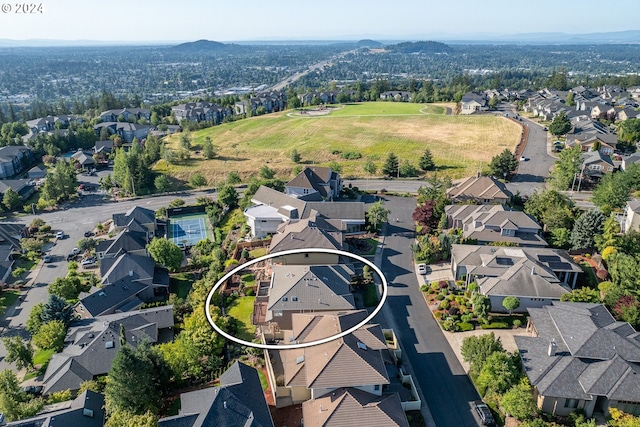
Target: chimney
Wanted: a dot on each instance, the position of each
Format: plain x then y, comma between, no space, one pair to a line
130,273
533,270
224,404
552,349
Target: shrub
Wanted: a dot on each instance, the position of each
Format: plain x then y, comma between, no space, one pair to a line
465,326
453,311
450,325
434,286
45,228
444,305
517,323
351,155
496,325
438,315
424,288
439,297
443,284
250,292
473,287
468,317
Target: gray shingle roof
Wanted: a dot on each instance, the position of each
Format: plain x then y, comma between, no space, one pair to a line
238,401
86,410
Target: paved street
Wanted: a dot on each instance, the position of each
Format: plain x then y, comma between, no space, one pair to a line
440,376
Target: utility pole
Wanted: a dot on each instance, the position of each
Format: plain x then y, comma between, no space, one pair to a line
133,187
580,181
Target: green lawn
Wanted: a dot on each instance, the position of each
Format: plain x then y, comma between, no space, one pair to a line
459,144
263,380
180,284
248,279
257,253
593,280
7,297
374,245
241,309
370,296
41,359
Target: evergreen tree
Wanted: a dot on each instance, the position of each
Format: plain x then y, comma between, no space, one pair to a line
11,199
587,226
208,150
560,124
391,165
426,161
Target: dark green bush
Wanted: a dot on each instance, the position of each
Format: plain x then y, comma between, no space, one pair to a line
496,325
465,326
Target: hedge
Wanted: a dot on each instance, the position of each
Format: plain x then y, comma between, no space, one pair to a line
464,326
496,325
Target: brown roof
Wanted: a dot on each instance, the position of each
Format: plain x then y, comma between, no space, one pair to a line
312,232
350,407
480,188
316,178
351,361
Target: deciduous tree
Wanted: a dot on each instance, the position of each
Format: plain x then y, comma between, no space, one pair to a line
197,180
476,349
510,303
426,217
377,214
165,253
19,352
11,199
518,401
503,164
50,336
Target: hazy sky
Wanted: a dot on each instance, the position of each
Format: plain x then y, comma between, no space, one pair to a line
236,20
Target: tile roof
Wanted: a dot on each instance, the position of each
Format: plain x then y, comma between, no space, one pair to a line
351,407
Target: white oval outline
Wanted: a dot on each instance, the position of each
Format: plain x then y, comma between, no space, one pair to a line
261,346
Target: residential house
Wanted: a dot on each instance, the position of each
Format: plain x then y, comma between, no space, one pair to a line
494,223
128,281
632,216
396,95
595,165
126,115
92,344
24,187
237,401
352,407
579,357
125,130
142,216
358,360
51,123
37,172
86,410
473,102
312,232
132,240
14,159
628,113
320,182
103,147
479,189
201,112
603,111
537,276
308,288
271,208
10,235
629,160
84,158
268,102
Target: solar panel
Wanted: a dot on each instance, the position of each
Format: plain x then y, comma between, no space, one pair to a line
504,261
560,266
549,258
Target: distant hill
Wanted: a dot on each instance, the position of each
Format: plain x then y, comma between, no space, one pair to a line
420,47
201,45
369,43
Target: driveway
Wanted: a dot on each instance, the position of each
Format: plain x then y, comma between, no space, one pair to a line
442,380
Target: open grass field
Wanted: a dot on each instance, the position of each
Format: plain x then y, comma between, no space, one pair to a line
460,144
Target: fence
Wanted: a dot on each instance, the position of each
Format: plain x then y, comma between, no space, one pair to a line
186,210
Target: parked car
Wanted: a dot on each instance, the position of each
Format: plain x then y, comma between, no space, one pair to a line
484,413
71,256
523,159
46,258
88,262
75,251
422,269
88,233
33,389
60,235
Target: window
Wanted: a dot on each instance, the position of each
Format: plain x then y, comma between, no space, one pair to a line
376,387
571,403
277,313
294,298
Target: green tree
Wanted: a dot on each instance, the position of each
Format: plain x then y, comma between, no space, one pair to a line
610,234
197,180
567,166
11,199
34,322
510,303
426,161
233,178
569,101
295,156
629,131
370,167
228,196
551,208
377,214
558,79
407,169
50,336
481,306
493,102
165,253
391,165
587,226
56,308
87,244
127,419
136,380
582,295
560,238
503,164
499,373
185,140
19,352
19,272
161,183
476,349
518,402
266,172
208,149
65,287
560,124
612,192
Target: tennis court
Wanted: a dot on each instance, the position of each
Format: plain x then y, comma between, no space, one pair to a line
188,230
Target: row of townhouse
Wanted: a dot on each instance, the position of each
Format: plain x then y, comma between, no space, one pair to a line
201,112
269,102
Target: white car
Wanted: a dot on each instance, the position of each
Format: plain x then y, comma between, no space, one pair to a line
60,235
88,262
422,269
75,251
523,159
